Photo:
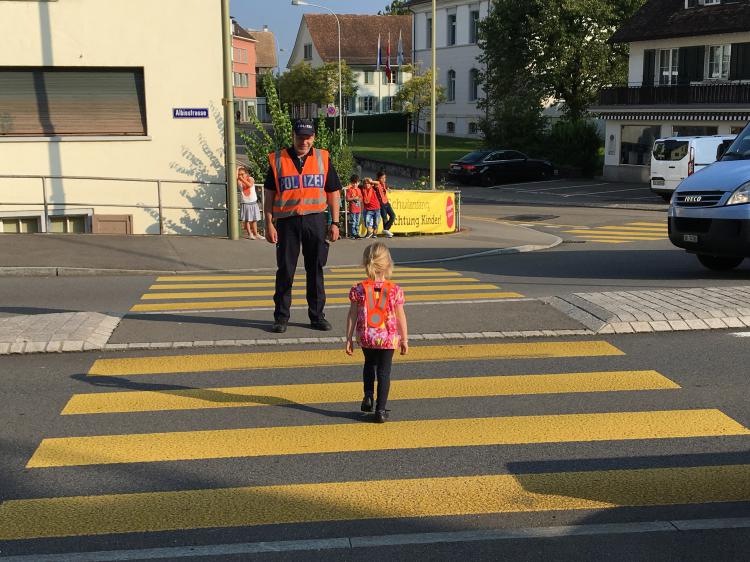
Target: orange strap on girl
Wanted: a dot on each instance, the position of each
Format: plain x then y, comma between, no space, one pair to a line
376,305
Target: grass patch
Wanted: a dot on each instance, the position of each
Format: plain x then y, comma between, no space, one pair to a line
391,147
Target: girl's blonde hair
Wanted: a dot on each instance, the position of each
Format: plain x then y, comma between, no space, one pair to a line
378,261
368,180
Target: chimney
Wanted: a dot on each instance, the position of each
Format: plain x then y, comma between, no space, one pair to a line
265,27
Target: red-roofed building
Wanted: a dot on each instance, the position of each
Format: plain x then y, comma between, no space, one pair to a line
317,44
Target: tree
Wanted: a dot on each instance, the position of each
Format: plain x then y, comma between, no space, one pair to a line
513,94
396,8
302,84
416,95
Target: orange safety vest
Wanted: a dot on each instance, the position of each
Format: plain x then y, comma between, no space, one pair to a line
376,307
299,193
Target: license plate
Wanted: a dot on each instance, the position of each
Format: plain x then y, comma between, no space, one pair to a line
455,168
657,182
690,238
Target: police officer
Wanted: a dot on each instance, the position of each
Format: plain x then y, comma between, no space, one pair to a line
300,183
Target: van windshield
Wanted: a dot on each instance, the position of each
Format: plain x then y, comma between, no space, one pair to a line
740,148
672,150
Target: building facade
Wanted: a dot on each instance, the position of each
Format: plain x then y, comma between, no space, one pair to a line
456,29
266,60
244,74
317,44
689,74
112,132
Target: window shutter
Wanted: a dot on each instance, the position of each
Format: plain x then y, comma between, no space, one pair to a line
649,66
690,65
48,101
739,63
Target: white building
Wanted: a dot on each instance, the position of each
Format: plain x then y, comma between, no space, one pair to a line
689,69
456,28
317,44
93,93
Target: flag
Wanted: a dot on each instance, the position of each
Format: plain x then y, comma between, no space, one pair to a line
379,57
400,54
388,60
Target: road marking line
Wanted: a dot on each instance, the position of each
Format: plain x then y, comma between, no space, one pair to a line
332,357
647,224
363,500
405,539
646,229
615,233
741,334
302,292
396,435
358,270
353,276
415,389
331,283
299,301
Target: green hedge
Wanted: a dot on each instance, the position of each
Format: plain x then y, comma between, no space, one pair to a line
382,123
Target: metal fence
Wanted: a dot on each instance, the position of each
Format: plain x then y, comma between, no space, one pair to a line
680,94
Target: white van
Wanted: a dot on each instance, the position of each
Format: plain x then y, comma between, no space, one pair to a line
675,158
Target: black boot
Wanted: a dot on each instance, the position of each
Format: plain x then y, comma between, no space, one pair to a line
367,405
381,416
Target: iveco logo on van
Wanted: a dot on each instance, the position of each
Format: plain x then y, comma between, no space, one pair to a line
693,198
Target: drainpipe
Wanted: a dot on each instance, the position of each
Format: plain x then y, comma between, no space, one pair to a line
233,226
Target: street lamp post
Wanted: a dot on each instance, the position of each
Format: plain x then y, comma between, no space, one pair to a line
338,24
433,104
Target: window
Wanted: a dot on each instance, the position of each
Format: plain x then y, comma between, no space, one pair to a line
308,51
19,225
53,101
451,94
473,26
387,104
240,80
394,77
473,128
694,130
428,126
428,34
473,84
68,225
367,104
670,150
451,29
450,127
368,76
717,62
736,130
667,69
636,142
239,55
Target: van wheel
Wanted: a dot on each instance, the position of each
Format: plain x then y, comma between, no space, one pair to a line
719,263
666,196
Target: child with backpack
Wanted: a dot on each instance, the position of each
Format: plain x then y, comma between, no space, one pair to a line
377,315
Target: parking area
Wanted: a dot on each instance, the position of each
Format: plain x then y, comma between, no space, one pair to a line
586,192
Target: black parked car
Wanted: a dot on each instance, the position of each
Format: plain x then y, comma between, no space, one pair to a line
492,166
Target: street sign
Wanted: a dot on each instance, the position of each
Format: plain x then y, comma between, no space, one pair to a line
190,113
331,110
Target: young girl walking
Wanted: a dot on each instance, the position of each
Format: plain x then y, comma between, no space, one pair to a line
377,314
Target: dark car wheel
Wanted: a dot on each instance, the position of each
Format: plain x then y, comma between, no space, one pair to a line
487,179
719,263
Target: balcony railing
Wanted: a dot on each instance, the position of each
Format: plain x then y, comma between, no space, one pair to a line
683,94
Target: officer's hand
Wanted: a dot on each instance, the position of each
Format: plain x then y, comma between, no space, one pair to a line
333,232
271,235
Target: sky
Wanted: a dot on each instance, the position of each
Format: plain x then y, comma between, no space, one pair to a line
283,19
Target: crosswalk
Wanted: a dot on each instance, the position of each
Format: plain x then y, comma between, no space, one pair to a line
621,234
174,293
444,376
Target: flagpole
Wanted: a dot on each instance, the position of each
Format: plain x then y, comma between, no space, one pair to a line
390,78
378,78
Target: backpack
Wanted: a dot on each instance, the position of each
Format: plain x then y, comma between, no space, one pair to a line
376,305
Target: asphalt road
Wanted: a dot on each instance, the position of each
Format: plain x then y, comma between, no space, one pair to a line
669,446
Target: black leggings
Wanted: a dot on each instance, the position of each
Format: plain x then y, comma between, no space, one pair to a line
377,363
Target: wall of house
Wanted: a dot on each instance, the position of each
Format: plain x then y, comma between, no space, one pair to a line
461,58
298,51
635,62
184,70
247,67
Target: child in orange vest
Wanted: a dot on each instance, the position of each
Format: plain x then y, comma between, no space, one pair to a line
377,314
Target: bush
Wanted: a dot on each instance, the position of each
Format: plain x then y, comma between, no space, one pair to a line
575,144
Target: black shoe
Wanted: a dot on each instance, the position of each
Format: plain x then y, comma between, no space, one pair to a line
322,325
279,327
367,405
381,416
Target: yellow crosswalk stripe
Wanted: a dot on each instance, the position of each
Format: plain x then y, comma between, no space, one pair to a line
302,292
330,357
354,276
397,435
329,283
615,233
376,499
661,224
342,392
359,270
607,241
648,229
209,305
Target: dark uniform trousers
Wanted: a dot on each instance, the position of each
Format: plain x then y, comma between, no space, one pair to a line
308,232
